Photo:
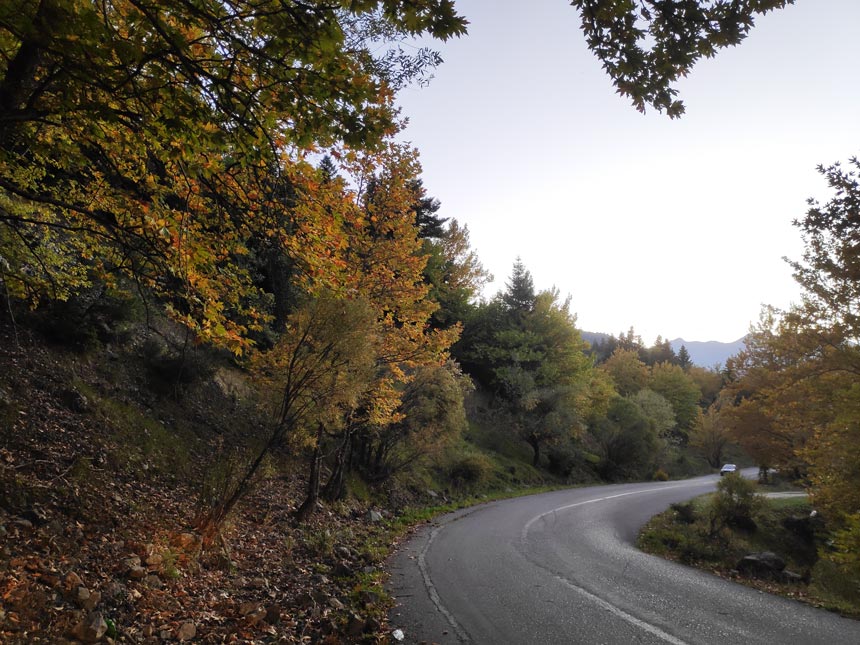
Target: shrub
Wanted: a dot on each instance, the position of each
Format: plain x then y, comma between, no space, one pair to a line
661,475
685,512
470,470
734,504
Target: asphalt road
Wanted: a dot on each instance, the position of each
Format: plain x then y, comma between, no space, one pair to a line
561,568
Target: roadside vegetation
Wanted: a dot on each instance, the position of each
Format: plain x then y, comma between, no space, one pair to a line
770,543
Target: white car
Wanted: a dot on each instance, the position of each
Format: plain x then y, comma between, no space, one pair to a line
727,469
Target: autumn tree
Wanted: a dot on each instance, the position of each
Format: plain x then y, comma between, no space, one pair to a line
142,139
628,372
710,437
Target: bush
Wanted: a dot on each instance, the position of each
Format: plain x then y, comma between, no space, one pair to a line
734,504
685,512
470,470
661,475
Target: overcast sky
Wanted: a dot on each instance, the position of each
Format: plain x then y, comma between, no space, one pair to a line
676,227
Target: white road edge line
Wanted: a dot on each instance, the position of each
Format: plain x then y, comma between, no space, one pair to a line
648,627
431,589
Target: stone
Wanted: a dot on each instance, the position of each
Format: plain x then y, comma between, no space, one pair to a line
398,635
153,582
72,581
114,589
342,570
131,562
343,552
761,565
187,631
374,516
791,577
137,573
93,601
336,604
86,599
91,629
154,560
432,493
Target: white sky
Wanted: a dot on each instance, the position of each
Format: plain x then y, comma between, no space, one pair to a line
675,227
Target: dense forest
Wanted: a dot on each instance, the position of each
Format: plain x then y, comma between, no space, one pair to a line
221,272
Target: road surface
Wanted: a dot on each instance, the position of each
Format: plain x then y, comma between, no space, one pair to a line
561,568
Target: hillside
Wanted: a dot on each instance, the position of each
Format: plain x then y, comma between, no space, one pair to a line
103,467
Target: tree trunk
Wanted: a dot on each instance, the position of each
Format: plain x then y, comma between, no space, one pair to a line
310,504
535,444
335,486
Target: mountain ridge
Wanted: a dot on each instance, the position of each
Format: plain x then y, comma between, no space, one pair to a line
703,353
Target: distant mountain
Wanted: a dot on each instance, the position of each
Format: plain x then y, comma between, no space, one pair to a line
704,354
592,337
710,353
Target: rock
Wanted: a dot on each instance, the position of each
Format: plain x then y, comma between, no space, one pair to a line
374,516
131,563
91,629
155,560
336,604
342,570
432,493
343,552
319,579
137,573
368,569
148,631
761,565
398,635
304,600
187,631
791,577
114,589
86,599
72,581
153,582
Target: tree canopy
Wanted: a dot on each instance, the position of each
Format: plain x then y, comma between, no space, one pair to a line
646,46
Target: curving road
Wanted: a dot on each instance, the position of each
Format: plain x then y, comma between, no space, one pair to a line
561,568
